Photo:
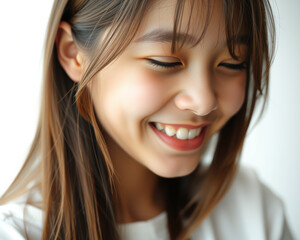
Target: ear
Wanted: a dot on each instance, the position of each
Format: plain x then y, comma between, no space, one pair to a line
68,54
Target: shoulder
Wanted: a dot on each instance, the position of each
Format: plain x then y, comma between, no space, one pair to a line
19,219
249,210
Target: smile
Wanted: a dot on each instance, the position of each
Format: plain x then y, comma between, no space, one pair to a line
180,137
181,133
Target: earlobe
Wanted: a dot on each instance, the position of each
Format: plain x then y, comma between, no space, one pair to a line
67,52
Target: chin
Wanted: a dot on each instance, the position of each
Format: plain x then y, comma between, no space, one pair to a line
175,171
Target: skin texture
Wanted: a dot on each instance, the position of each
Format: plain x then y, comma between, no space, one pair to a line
131,92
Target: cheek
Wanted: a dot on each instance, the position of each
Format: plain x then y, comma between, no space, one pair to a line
128,94
141,95
232,95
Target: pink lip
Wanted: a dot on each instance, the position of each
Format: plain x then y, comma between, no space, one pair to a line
181,145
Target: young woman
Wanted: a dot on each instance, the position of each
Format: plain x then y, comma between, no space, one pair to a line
133,92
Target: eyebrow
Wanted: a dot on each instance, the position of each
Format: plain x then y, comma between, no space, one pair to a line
166,36
160,35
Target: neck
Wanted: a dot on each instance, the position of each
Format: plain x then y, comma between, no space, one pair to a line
139,195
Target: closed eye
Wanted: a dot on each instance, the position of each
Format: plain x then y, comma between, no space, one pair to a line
164,64
240,66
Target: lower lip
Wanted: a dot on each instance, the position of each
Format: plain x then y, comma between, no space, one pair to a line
181,145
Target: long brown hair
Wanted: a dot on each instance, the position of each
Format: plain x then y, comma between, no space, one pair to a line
69,159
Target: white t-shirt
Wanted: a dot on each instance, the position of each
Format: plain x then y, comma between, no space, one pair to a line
249,210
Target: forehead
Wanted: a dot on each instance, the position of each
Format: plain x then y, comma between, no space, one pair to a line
193,18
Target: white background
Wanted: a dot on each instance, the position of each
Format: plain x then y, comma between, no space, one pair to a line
272,147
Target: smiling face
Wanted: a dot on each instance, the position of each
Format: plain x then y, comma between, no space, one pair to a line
158,108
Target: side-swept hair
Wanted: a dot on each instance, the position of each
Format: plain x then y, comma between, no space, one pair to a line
69,158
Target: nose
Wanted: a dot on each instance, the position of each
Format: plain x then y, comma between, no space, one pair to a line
197,95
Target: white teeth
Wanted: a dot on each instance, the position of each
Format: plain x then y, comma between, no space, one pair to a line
170,131
182,133
192,133
159,126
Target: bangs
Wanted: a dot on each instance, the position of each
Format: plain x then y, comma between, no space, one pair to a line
237,27
235,17
198,11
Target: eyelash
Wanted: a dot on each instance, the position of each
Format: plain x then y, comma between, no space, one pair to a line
240,66
170,65
167,65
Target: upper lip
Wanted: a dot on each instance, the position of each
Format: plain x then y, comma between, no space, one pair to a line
184,125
